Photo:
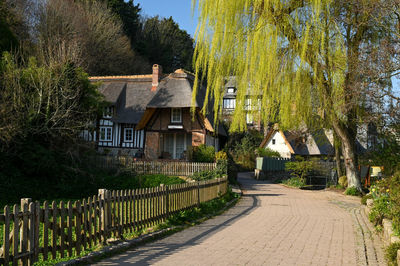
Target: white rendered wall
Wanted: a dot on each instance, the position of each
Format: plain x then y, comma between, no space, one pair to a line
279,146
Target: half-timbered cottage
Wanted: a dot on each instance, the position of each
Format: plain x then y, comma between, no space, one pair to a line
149,116
171,129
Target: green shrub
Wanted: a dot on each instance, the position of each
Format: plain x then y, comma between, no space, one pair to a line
242,147
156,180
221,155
261,152
364,199
386,194
343,181
295,182
380,210
300,168
203,154
391,253
352,191
220,171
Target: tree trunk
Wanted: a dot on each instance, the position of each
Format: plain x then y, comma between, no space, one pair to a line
349,154
337,159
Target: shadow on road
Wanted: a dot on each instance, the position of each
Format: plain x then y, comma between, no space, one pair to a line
158,250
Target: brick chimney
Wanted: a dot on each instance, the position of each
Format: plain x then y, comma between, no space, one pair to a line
157,72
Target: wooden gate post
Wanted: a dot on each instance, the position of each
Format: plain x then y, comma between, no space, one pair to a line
104,213
25,230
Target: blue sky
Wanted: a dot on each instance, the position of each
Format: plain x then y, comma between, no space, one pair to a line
180,10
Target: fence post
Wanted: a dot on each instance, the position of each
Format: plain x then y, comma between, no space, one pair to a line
198,193
167,200
104,213
24,232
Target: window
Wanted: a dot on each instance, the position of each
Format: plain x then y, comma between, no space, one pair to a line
128,134
229,103
105,133
231,90
108,112
273,141
248,104
249,118
176,115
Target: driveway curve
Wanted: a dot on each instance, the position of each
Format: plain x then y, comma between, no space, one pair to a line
271,225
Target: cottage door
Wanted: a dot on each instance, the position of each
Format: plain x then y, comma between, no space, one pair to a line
180,146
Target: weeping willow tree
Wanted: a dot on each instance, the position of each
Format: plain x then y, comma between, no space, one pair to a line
297,60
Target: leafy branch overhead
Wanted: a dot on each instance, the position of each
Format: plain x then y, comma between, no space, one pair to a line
302,63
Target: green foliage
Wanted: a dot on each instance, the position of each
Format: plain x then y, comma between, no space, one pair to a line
220,171
343,181
156,180
386,194
241,147
300,168
387,153
43,100
7,39
162,41
205,175
380,210
365,198
391,253
261,152
352,191
221,155
203,153
129,14
295,182
50,174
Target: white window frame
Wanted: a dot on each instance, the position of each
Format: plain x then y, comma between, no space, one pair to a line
105,136
173,120
132,134
229,103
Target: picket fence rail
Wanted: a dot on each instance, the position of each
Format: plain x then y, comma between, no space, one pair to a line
177,168
49,231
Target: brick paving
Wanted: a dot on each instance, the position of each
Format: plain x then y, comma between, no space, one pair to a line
271,225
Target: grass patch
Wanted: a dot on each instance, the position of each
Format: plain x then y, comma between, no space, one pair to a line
352,191
295,182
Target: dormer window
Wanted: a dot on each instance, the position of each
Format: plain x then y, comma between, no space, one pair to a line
231,90
176,115
108,112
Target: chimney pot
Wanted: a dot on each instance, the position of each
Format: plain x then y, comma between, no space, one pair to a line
157,73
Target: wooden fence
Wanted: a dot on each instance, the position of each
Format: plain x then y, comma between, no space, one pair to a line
267,164
51,231
176,168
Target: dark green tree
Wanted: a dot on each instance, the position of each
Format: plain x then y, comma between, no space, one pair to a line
128,13
163,42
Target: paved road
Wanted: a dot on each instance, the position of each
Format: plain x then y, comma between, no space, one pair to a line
271,225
